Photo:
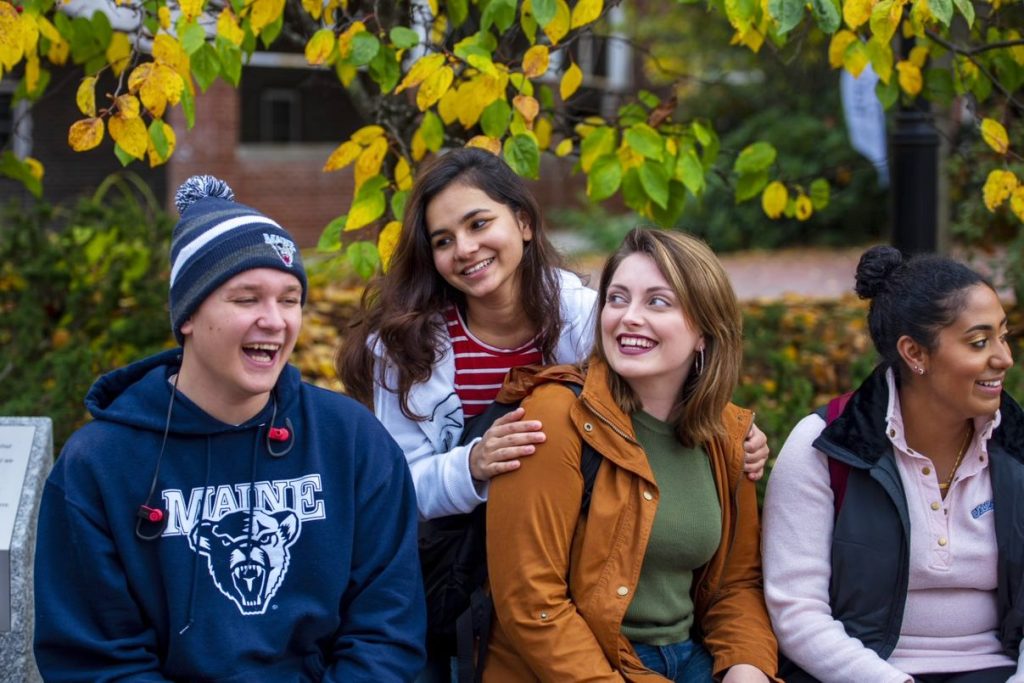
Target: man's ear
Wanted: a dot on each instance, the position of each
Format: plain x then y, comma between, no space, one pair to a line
187,327
914,354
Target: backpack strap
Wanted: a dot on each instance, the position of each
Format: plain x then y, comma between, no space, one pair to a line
838,471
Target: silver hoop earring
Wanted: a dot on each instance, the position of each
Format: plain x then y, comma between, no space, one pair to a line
698,363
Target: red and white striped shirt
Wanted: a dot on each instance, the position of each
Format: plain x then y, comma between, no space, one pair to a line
480,368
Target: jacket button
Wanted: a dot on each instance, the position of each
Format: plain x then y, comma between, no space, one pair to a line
926,471
892,432
622,591
935,506
587,427
648,495
942,541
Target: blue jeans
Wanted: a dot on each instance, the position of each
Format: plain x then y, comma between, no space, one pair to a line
684,662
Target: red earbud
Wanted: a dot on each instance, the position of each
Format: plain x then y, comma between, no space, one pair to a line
279,434
154,515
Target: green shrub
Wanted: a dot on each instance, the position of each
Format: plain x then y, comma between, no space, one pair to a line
83,290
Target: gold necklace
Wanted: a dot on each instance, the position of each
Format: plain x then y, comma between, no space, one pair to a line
944,486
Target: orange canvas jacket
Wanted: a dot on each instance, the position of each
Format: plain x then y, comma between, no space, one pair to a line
561,585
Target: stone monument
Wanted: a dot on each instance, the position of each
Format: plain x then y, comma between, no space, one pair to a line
26,455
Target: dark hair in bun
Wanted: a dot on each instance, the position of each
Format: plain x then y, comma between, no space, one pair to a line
915,297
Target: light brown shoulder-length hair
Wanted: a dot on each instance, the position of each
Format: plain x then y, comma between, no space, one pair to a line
709,304
403,309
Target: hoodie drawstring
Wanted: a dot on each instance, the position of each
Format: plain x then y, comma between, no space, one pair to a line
195,550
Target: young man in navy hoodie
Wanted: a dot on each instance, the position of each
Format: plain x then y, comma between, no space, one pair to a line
219,519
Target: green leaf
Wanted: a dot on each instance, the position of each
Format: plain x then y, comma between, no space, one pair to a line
888,94
403,37
101,29
546,97
495,118
702,133
193,36
750,185
755,157
670,215
385,69
633,191
330,238
373,186
271,31
649,99
124,157
529,24
826,15
16,169
942,10
500,13
631,114
966,8
604,178
205,66
544,11
458,11
364,48
938,86
522,154
432,130
645,141
820,193
788,13
599,141
230,58
156,134
655,178
364,258
188,108
398,201
690,171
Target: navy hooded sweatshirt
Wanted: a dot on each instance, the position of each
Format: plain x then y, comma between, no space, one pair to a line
295,568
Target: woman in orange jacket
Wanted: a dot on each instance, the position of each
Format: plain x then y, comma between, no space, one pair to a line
661,577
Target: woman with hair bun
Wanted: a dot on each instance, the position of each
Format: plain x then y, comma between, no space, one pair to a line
894,519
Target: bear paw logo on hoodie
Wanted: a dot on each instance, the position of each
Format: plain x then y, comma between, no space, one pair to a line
247,554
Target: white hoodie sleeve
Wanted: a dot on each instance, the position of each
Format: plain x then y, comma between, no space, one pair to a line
796,548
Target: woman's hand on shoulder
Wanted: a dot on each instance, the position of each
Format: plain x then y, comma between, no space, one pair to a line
755,453
508,439
744,673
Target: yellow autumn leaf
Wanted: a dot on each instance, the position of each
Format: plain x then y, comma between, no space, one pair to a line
571,81
85,134
749,37
387,240
837,47
139,75
424,66
346,73
434,87
586,12
1017,51
558,27
564,148
31,72
168,51
314,7
129,134
85,98
345,39
35,167
994,135
856,12
163,15
448,107
419,146
47,29
918,56
59,52
11,46
885,19
856,58
492,145
909,77
127,106
319,47
156,86
1016,202
118,52
264,13
29,32
369,161
367,134
999,185
151,152
228,28
403,174
190,9
471,102
527,106
774,199
804,207
439,29
342,156
492,86
535,61
542,129
434,9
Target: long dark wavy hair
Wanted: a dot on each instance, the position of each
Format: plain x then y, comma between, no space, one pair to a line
403,309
